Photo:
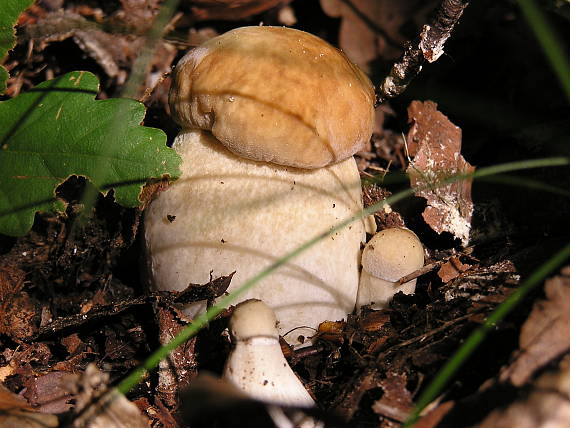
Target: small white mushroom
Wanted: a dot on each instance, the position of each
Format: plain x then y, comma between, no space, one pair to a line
256,364
390,255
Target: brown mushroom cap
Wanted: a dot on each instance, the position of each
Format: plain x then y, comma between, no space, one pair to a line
275,94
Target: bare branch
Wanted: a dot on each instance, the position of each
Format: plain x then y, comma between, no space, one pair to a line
428,46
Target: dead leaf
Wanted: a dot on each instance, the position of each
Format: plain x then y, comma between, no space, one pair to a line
100,407
72,343
372,29
396,402
15,412
135,16
231,10
548,405
114,52
545,335
451,269
435,143
49,393
176,371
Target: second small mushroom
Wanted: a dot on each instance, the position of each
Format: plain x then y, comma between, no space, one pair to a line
256,364
390,255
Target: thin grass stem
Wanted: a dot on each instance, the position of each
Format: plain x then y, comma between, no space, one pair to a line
551,45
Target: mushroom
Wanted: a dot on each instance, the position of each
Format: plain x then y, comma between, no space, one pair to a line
270,119
390,255
256,364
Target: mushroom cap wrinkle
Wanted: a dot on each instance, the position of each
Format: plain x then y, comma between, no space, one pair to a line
388,256
275,94
231,214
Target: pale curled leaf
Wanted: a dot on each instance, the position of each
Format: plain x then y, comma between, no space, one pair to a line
435,143
58,130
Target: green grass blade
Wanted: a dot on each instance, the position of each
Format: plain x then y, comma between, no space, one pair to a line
553,48
462,354
528,183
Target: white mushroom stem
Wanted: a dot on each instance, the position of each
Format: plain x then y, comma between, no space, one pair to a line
230,214
390,255
256,364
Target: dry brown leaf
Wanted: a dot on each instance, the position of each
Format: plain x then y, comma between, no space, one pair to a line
548,406
15,412
545,334
434,416
231,10
396,402
49,393
176,371
435,143
372,29
114,52
451,269
98,407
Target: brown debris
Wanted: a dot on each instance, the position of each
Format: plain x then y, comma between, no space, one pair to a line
19,313
548,405
115,51
176,371
49,393
372,29
385,217
15,412
433,417
348,401
435,144
231,10
210,291
100,407
396,402
452,269
545,334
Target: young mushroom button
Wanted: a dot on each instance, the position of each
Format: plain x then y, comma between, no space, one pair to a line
270,119
256,364
390,255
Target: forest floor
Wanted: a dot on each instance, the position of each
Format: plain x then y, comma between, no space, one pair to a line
74,295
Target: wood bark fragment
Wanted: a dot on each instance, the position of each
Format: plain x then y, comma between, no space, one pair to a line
428,46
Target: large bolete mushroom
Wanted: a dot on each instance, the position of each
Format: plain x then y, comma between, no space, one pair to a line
270,119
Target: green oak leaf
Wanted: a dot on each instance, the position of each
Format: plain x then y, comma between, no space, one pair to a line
57,130
9,12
